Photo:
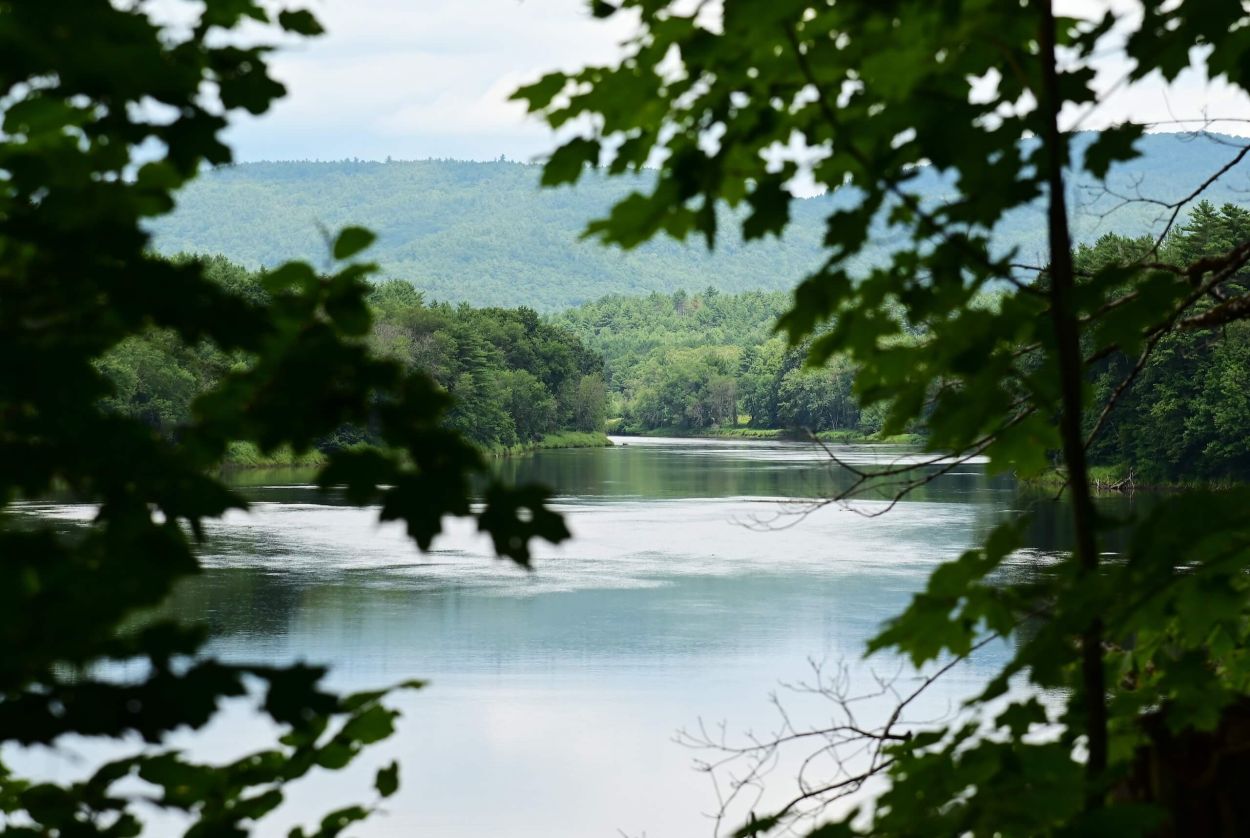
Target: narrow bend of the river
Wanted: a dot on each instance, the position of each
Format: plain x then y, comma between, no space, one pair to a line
554,695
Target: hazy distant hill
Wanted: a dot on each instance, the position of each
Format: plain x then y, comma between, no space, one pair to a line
485,233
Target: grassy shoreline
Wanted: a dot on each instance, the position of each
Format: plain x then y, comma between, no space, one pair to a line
778,434
245,455
241,455
551,442
1119,479
1115,479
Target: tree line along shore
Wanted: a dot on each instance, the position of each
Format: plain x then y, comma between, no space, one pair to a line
712,364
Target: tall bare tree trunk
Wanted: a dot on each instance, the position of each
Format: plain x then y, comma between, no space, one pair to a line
1071,371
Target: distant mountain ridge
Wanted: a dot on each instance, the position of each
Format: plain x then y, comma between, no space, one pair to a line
484,233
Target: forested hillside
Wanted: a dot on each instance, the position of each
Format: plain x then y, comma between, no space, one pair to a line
516,380
481,233
484,233
695,362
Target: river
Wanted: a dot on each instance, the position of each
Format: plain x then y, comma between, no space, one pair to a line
689,592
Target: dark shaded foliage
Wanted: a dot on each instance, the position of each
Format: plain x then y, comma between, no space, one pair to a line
85,83
887,95
512,377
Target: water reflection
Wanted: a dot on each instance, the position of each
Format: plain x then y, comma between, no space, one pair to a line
555,693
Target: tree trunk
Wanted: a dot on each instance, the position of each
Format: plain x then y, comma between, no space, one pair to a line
1071,371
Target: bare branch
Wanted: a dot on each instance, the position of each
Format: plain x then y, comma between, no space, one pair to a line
1237,308
851,751
1202,187
1122,388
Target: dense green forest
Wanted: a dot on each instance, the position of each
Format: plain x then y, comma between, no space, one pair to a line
710,361
697,362
516,380
1187,413
689,362
484,233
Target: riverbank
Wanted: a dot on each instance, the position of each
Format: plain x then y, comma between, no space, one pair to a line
245,455
560,439
1120,479
776,434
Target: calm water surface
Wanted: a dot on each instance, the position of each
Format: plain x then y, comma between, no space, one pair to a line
688,592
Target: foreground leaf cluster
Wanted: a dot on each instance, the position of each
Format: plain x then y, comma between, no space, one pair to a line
105,114
1121,663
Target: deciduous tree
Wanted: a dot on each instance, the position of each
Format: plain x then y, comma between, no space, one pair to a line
105,114
732,102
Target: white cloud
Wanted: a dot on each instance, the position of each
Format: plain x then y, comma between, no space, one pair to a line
417,78
423,79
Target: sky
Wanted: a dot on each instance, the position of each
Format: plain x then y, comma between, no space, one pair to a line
415,79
